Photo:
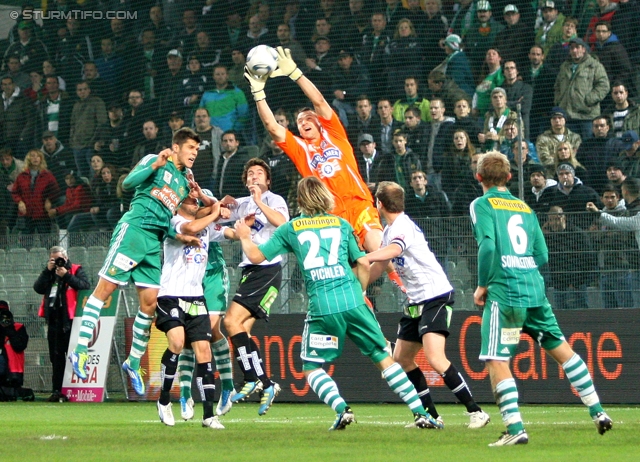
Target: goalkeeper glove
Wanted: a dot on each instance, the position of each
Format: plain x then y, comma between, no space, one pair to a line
257,84
286,65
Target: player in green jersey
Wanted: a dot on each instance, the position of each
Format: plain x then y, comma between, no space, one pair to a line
161,184
511,248
325,247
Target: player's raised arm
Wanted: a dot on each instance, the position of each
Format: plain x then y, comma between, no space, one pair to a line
288,67
257,84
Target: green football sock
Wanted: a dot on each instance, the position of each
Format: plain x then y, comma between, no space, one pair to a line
507,399
186,364
580,379
324,386
90,316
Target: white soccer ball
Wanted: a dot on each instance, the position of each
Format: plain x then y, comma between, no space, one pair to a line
261,60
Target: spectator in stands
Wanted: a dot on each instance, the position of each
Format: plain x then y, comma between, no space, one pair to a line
323,28
438,134
169,85
14,70
581,85
231,166
150,58
550,31
152,144
547,142
319,65
405,57
482,36
625,25
104,212
431,26
606,13
73,50
373,54
59,160
88,113
466,191
534,196
519,94
624,113
14,340
16,119
59,283
134,117
364,120
374,166
110,139
284,40
465,13
516,38
559,51
570,193
175,123
439,87
571,260
257,34
594,152
424,201
464,120
284,175
630,160
456,65
614,259
615,175
405,160
540,76
29,50
492,78
77,200
33,188
348,80
163,32
10,168
206,53
520,149
494,119
612,54
99,87
412,99
394,12
48,68
185,39
123,40
457,161
509,135
53,111
36,90
355,23
565,155
205,166
110,66
97,162
416,132
226,103
388,126
237,70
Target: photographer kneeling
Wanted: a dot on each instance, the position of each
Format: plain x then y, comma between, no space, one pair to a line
13,342
59,283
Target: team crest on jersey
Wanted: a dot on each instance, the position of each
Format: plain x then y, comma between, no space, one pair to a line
398,261
181,191
195,254
167,177
257,225
174,313
326,162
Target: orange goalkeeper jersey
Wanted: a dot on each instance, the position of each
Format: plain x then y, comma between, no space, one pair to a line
332,161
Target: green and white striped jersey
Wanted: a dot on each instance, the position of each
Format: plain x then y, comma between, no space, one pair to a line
324,246
157,197
512,274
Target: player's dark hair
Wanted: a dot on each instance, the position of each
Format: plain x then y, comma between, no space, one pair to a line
494,169
413,110
391,195
632,185
610,187
182,135
260,163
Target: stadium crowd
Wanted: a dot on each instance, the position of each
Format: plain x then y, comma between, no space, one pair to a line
421,86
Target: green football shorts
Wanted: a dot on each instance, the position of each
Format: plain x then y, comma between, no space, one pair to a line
502,326
134,254
216,290
323,336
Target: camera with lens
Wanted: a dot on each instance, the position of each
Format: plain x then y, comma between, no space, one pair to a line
60,262
6,318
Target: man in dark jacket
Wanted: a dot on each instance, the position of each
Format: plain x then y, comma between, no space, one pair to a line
59,284
612,54
16,119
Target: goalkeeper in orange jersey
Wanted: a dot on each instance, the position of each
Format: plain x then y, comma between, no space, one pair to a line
323,150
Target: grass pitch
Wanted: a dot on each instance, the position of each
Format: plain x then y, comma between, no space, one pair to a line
298,432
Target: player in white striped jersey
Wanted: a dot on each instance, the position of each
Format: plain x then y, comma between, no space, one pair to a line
426,318
181,311
263,211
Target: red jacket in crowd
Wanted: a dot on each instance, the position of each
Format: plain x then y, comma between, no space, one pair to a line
77,200
45,187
